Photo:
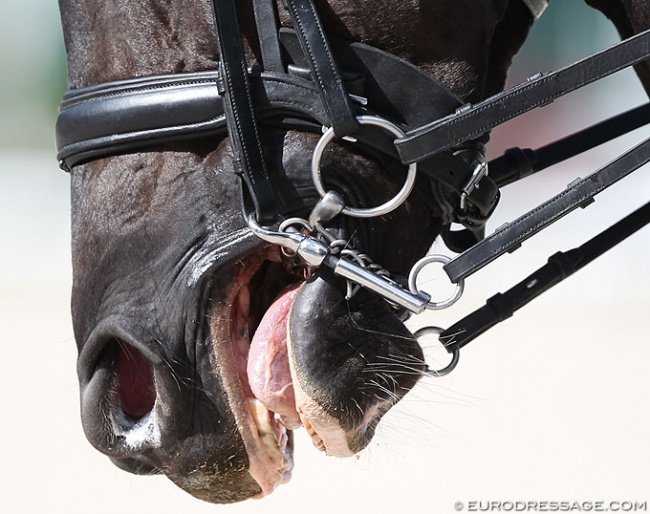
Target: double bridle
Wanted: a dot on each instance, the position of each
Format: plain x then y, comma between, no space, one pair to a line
347,90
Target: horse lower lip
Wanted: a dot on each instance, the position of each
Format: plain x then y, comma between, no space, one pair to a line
267,441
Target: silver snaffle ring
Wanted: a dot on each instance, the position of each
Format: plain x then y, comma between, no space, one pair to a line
384,208
413,277
455,353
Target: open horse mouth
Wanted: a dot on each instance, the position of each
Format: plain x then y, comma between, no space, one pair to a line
234,320
291,351
206,383
284,350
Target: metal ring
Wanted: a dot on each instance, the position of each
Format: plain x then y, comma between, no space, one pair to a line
384,208
289,222
413,288
286,226
455,353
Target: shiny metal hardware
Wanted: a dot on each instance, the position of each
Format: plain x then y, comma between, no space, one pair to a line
390,205
361,100
455,353
389,290
537,7
417,269
311,250
316,253
480,171
329,206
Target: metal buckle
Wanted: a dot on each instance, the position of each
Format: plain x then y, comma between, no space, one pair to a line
480,171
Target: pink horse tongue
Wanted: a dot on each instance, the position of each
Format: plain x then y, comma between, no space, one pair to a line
268,362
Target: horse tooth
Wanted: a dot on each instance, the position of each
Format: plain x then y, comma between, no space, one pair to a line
318,442
275,438
274,455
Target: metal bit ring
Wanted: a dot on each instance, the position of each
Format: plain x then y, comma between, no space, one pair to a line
413,276
384,208
455,353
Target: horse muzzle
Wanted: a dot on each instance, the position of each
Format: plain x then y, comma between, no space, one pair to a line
281,348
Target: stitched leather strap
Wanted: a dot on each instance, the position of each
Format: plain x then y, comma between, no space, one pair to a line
512,235
144,112
472,121
266,19
248,157
517,163
323,67
560,266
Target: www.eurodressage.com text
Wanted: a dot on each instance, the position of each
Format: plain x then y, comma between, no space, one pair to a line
551,506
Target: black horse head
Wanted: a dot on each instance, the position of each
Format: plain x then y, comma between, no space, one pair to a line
200,347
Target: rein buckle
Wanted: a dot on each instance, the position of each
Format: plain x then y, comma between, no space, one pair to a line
480,171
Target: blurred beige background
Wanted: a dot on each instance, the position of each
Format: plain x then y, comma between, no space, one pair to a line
553,405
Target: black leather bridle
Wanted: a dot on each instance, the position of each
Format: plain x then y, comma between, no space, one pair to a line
308,81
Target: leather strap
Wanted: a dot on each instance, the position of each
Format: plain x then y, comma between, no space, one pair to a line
142,112
512,235
266,19
370,73
470,121
323,67
248,157
560,266
517,163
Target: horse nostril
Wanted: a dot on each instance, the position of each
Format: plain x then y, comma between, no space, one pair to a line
135,392
119,395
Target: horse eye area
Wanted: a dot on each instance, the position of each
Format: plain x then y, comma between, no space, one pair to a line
134,390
